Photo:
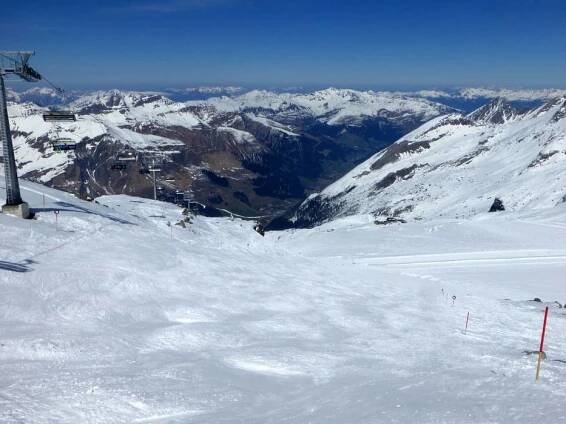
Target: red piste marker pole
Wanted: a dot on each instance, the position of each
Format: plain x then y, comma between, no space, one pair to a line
541,351
467,319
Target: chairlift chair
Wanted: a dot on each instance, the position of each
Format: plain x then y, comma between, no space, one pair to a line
64,147
118,166
63,144
126,156
59,116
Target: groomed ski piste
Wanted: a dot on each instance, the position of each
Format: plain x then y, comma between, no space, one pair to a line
108,316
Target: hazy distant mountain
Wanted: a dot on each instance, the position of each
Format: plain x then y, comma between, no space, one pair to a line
41,96
468,99
201,93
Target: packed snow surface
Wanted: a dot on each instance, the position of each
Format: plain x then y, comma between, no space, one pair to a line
109,315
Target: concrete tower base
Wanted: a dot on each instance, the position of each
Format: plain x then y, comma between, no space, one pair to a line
20,211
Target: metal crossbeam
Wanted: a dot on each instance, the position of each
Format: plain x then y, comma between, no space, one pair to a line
16,63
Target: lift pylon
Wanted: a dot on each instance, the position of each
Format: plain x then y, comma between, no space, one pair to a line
16,64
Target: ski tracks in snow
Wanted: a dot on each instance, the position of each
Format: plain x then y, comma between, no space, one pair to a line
485,258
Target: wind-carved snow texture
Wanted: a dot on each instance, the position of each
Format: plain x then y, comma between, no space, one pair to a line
108,316
454,166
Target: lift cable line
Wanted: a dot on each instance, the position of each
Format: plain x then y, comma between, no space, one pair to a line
58,89
13,63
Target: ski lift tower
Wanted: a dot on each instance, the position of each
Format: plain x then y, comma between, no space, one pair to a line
153,168
13,64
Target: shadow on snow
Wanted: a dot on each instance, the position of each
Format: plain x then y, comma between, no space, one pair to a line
17,267
69,207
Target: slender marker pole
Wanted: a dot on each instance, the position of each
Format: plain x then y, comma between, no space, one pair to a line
56,212
154,187
467,319
541,351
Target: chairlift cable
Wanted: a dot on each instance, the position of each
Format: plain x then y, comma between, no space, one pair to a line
58,89
8,57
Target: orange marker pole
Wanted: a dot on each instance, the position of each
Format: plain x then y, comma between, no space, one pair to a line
541,351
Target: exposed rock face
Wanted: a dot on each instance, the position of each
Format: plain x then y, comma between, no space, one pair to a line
498,111
497,205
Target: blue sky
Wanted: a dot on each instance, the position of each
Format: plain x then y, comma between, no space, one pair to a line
374,44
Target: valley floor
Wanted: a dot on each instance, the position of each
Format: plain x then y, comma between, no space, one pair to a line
109,316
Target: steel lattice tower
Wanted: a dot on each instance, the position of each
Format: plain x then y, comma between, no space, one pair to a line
12,63
13,196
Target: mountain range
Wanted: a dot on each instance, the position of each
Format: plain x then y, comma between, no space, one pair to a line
256,153
261,153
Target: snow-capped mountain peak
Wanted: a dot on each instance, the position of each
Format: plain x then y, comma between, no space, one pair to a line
497,111
333,106
115,99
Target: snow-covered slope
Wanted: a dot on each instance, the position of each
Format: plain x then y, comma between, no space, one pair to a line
456,166
108,122
109,316
32,136
113,113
